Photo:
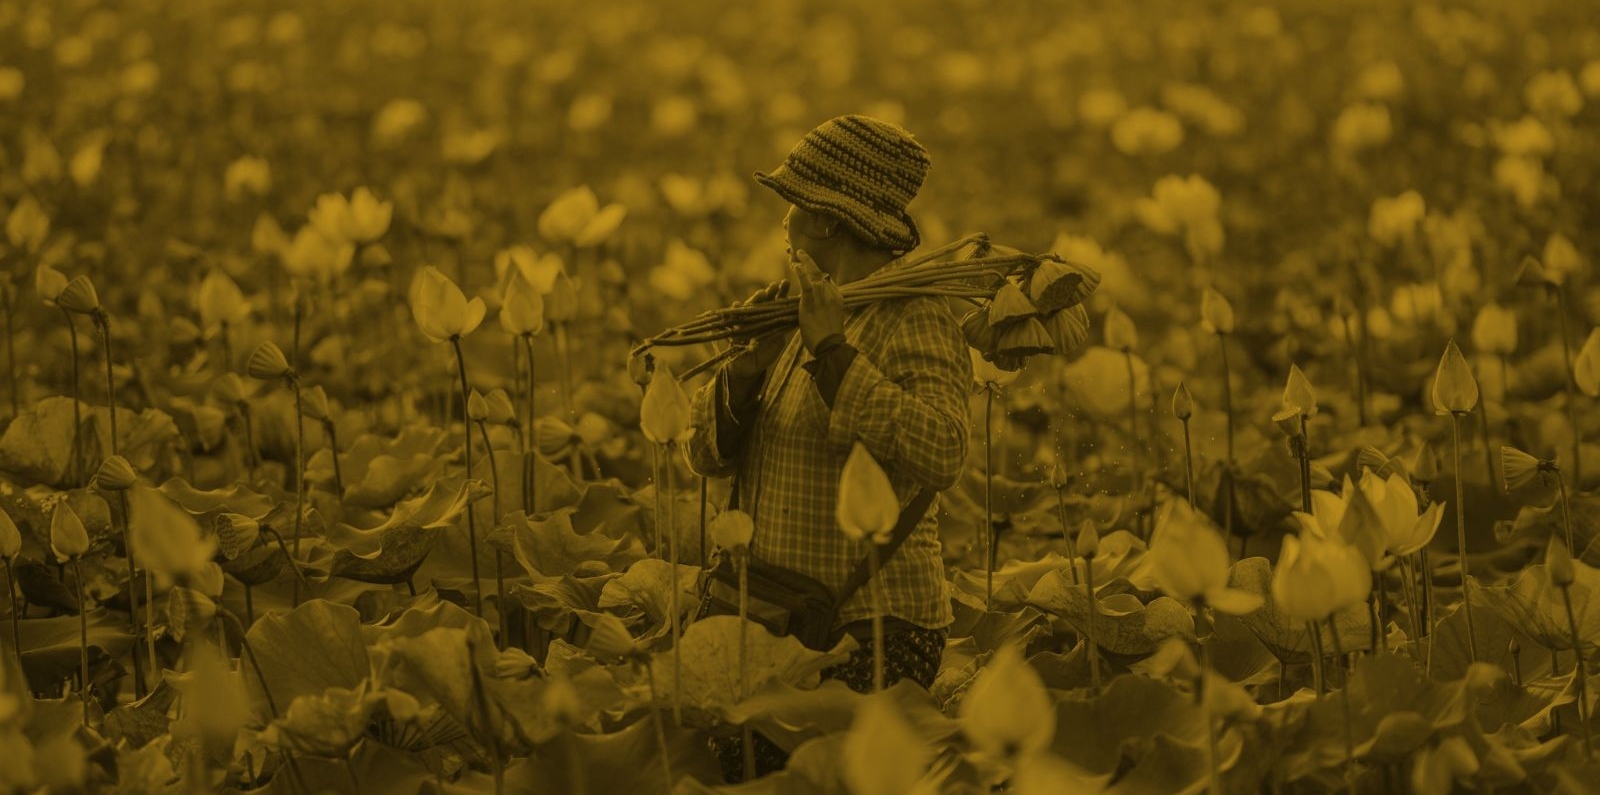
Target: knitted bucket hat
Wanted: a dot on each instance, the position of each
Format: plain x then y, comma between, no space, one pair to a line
859,170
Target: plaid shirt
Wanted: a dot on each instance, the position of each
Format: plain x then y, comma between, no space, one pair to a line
905,397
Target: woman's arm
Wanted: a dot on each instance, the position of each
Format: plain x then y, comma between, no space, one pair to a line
909,407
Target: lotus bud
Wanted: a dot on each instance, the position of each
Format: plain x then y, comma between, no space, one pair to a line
115,474
514,663
267,236
10,537
1561,259
267,362
977,331
664,412
230,388
1182,402
500,410
477,407
68,538
1023,338
314,404
1586,369
1057,285
868,506
1068,328
732,529
1533,274
79,296
1558,562
1426,466
1455,391
1059,479
1007,712
1120,332
1299,400
882,754
220,300
552,436
1088,543
49,283
1216,314
521,307
561,303
1517,469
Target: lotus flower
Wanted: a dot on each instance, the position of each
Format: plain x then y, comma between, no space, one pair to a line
168,538
1316,578
68,538
1007,712
360,219
1395,219
220,301
1299,399
1120,332
1189,561
1216,314
664,411
522,307
442,312
732,529
1455,391
868,506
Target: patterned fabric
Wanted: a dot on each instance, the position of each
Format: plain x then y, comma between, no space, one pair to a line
904,396
909,654
860,170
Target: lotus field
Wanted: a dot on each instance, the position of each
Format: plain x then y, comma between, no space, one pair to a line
349,350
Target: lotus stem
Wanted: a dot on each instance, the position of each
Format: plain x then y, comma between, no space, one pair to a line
299,469
661,726
252,454
333,450
1135,448
150,624
1188,462
704,500
133,600
103,322
1303,452
83,641
1318,676
1380,612
1349,741
76,467
1204,692
1067,535
1516,662
673,597
499,556
1094,613
1566,510
1488,451
530,464
227,347
1461,535
16,617
1571,387
472,522
1578,671
1227,408
1361,371
496,760
877,616
988,497
742,559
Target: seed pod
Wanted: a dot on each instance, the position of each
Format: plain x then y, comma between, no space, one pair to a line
267,362
1057,285
314,404
114,474
1010,305
1517,469
1068,328
979,334
79,296
1026,337
552,436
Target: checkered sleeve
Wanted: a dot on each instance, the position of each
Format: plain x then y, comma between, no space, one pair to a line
908,405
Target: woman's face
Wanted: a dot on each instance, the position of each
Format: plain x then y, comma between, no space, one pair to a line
807,231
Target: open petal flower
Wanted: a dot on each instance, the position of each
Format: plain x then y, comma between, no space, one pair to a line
1007,712
1315,577
441,310
1189,560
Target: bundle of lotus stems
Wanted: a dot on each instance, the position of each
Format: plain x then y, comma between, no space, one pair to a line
1026,304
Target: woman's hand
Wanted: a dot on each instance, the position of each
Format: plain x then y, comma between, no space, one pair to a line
821,302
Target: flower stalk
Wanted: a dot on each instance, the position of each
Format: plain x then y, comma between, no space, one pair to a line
499,556
1461,535
472,522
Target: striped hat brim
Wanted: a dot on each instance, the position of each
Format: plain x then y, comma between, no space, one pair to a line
899,231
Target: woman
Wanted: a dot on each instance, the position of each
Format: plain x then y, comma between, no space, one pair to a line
782,417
